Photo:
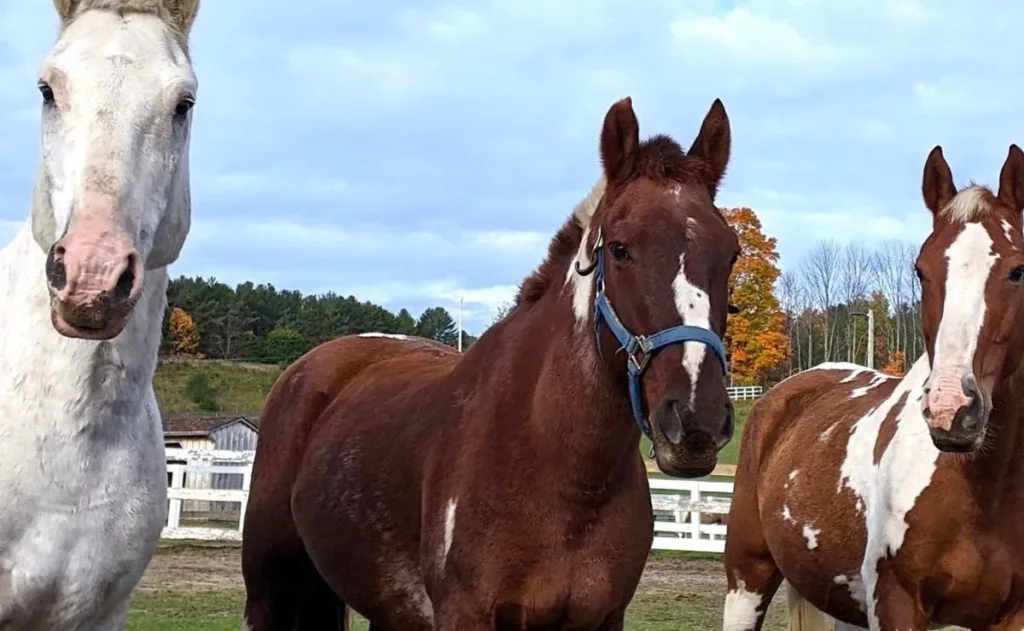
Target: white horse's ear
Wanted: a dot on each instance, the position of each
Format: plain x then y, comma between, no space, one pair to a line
66,8
183,13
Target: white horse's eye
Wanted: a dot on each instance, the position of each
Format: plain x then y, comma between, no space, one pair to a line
46,91
183,106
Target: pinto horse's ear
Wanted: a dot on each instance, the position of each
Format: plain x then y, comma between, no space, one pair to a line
713,145
619,140
937,182
1011,179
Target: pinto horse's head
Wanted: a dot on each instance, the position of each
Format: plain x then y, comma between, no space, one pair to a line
971,269
658,254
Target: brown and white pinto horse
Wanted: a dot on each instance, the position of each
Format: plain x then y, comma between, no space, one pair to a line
504,488
898,504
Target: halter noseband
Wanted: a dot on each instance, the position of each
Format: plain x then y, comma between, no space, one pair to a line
647,345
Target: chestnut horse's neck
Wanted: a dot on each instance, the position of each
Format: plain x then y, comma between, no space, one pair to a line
545,366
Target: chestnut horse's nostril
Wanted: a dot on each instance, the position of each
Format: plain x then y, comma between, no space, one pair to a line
56,273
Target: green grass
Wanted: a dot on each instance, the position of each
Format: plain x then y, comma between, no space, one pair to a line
238,388
198,587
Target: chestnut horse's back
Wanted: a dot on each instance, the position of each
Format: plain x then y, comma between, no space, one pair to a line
291,415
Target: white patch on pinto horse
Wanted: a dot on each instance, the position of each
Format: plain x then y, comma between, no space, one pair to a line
695,309
741,608
888,491
969,263
855,585
877,380
811,535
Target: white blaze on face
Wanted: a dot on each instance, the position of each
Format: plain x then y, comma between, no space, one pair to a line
694,307
969,263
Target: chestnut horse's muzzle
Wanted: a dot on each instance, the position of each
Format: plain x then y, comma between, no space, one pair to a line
641,348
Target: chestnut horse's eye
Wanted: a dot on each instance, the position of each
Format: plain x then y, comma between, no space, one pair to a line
620,252
46,91
1017,274
183,106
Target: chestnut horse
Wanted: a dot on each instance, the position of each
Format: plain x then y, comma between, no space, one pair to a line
896,504
504,488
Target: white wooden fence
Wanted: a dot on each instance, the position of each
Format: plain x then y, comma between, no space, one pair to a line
742,393
685,510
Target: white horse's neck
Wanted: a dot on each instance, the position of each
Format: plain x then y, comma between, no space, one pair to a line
70,384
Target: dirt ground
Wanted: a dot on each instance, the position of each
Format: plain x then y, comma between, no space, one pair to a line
676,592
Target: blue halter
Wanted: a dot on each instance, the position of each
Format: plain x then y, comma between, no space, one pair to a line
647,345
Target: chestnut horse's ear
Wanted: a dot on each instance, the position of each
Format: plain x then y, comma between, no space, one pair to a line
619,140
937,183
1011,179
714,144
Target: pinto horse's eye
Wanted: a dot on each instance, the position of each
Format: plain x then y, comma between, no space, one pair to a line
46,91
184,106
1017,274
620,252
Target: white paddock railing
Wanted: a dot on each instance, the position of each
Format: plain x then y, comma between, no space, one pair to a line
681,507
743,393
182,462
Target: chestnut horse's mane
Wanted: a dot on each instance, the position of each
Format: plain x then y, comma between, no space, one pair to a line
659,158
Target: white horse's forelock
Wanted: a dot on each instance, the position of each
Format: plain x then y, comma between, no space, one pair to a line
82,465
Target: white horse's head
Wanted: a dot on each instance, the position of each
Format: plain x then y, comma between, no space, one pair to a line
112,198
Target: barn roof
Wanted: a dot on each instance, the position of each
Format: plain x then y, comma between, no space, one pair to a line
199,426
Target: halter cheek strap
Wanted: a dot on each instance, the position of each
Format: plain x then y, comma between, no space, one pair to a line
640,348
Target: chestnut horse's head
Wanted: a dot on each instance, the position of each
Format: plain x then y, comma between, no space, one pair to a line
651,278
971,269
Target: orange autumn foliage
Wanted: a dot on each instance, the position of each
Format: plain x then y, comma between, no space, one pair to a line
756,338
183,333
897,365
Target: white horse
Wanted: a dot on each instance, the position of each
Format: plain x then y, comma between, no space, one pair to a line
83,487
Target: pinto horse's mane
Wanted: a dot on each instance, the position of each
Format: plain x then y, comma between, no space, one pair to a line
659,158
972,203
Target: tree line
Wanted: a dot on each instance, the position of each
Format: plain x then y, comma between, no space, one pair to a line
262,324
787,321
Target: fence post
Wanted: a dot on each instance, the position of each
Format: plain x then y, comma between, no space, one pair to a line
177,482
803,616
246,483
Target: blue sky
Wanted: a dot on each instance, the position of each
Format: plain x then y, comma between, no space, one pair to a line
429,150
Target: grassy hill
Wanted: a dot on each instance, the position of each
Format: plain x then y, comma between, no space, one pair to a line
232,388
242,389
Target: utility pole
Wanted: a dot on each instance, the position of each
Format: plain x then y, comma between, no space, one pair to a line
871,338
870,315
460,323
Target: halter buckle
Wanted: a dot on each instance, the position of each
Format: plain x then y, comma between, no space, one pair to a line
639,365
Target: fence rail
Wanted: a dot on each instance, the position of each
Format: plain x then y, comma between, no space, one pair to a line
743,393
688,513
